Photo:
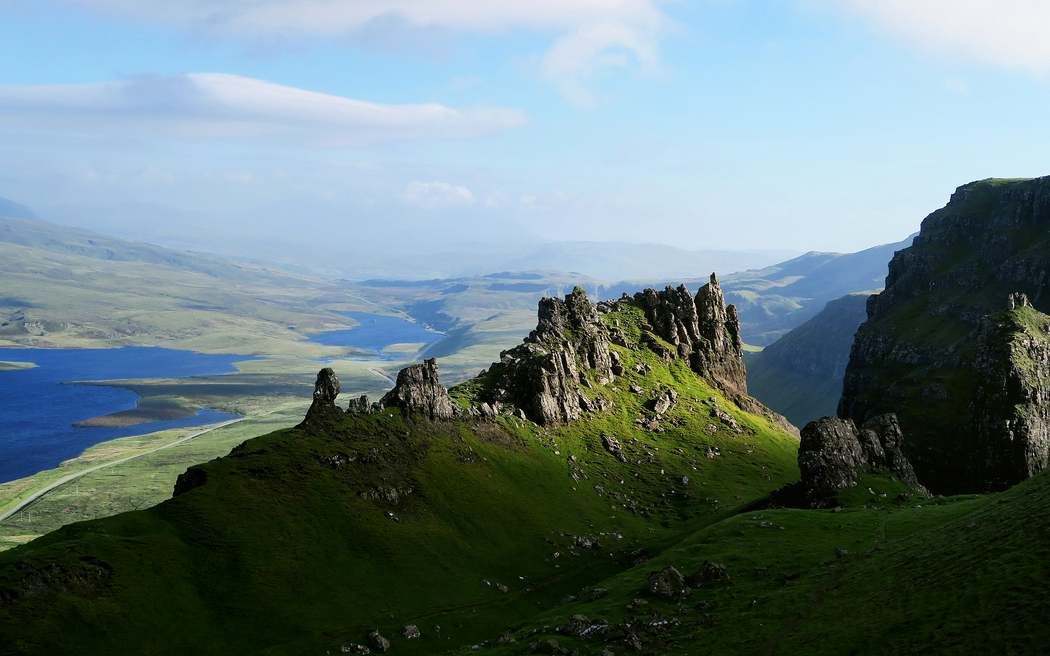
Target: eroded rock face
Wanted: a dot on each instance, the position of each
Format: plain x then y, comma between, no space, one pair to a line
546,375
418,390
553,377
834,453
1011,400
323,408
921,354
703,329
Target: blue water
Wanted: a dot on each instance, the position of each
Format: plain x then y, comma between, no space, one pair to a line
377,332
37,414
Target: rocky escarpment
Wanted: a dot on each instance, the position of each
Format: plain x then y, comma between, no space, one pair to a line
920,355
1011,399
835,453
558,373
563,368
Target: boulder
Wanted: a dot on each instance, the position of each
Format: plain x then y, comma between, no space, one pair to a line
834,453
378,642
709,571
667,583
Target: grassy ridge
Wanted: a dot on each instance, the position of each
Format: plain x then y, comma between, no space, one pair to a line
293,527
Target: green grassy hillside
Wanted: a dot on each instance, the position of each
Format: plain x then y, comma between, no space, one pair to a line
302,542
959,575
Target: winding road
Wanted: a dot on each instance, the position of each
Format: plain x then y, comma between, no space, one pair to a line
65,479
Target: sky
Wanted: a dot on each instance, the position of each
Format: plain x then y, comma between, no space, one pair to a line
398,126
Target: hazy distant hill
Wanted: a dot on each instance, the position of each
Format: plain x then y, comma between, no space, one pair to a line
800,375
621,261
16,210
65,240
774,300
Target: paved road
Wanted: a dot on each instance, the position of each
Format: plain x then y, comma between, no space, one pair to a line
41,492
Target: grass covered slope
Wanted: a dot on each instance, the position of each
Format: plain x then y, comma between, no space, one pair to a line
303,541
958,575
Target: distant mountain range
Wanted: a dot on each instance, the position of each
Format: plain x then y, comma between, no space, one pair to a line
16,210
772,297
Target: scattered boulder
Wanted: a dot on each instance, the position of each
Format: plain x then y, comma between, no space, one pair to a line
665,401
613,446
667,583
410,631
709,571
378,642
578,624
550,646
506,639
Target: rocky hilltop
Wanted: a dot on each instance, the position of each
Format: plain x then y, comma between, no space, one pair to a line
944,351
563,368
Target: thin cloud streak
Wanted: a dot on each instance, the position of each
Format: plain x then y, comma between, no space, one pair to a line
594,34
1007,33
221,107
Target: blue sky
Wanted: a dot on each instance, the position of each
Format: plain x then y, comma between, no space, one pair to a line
233,126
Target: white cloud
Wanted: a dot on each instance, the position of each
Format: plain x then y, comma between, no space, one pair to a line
596,34
575,59
1010,33
214,106
437,195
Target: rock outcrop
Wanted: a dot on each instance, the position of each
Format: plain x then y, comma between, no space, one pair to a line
702,329
545,376
418,390
834,453
1011,397
921,355
557,374
323,408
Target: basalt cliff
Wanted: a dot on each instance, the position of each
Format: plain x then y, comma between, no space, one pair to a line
956,345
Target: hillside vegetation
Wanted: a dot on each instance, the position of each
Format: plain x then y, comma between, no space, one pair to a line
385,520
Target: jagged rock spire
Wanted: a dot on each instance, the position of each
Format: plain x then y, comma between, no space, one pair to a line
702,328
326,389
419,390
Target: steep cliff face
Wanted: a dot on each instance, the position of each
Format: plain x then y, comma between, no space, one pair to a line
917,354
800,375
1011,401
